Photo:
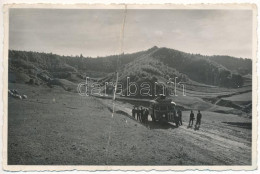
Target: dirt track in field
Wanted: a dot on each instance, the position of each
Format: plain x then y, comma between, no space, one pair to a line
55,127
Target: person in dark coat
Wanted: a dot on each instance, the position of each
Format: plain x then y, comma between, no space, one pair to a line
142,115
133,112
138,114
191,118
146,113
176,120
180,117
198,122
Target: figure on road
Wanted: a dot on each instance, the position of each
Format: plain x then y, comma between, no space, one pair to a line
146,113
138,114
142,115
198,122
133,112
180,117
176,120
191,118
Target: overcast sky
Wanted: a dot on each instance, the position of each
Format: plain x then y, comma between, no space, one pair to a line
97,32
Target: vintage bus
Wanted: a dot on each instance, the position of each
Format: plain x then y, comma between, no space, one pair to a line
162,110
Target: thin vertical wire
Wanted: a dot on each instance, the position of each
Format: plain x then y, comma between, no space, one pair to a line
115,89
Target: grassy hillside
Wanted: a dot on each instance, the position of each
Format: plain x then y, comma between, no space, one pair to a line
238,65
199,68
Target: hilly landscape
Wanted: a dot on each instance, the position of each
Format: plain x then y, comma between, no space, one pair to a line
222,71
207,79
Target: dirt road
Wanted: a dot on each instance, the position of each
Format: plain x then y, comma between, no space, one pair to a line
221,137
56,127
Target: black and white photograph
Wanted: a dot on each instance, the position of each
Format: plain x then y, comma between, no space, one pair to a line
127,86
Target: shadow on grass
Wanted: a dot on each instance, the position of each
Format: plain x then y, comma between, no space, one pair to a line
240,124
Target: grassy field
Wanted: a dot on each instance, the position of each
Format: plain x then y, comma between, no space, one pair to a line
241,97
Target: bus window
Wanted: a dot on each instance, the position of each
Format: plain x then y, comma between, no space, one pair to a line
163,108
156,107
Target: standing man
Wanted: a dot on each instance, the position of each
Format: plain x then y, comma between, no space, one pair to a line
138,114
142,115
198,118
133,112
146,113
180,117
191,118
176,119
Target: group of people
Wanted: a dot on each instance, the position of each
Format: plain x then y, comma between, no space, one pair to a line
140,114
192,117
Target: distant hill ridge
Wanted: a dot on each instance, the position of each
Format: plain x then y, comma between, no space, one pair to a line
152,64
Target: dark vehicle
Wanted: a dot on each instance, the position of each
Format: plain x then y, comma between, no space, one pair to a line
162,109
